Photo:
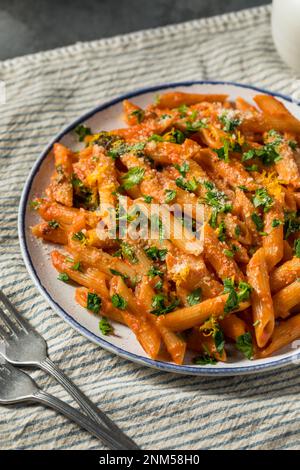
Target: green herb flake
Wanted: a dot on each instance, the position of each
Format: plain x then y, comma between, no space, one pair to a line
194,297
139,114
128,253
133,177
229,124
228,253
53,224
259,223
159,306
262,199
82,131
297,247
148,199
170,195
276,223
114,272
63,277
119,302
79,236
93,302
155,253
105,327
154,271
245,345
187,185
204,360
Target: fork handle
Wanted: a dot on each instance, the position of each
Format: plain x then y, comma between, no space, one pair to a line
85,403
100,432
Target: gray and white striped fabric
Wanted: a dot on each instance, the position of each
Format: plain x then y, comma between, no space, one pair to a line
159,410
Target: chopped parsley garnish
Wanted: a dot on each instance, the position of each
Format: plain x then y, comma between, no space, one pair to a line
148,199
155,253
119,302
82,194
139,114
293,144
79,236
170,195
259,223
222,231
251,168
105,327
228,253
133,177
194,126
176,136
77,266
219,340
153,271
183,168
291,223
237,231
159,285
183,109
297,247
82,131
223,152
243,188
156,138
35,205
159,306
205,359
119,147
117,273
245,345
93,302
229,124
128,253
235,296
187,185
268,154
217,200
194,297
262,199
276,223
63,277
53,224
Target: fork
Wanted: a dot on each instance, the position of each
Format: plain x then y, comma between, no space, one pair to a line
18,387
24,346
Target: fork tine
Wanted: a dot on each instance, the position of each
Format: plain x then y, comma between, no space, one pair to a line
14,312
4,335
9,324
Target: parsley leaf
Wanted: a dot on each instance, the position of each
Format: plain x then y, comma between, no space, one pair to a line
117,273
93,302
291,223
297,247
159,306
105,327
219,340
119,302
204,359
258,221
262,199
128,252
170,195
139,114
63,277
153,271
53,224
82,131
79,236
187,185
148,199
183,168
244,344
155,253
217,200
276,222
229,124
133,177
194,297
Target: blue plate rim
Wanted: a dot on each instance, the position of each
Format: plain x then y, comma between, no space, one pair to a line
23,206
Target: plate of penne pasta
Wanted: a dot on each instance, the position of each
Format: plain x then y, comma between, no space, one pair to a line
165,226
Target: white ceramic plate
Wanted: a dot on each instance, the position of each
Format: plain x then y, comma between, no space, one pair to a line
61,296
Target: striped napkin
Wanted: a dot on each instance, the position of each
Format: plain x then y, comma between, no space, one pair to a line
159,410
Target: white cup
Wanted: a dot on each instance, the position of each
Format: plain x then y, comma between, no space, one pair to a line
286,31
